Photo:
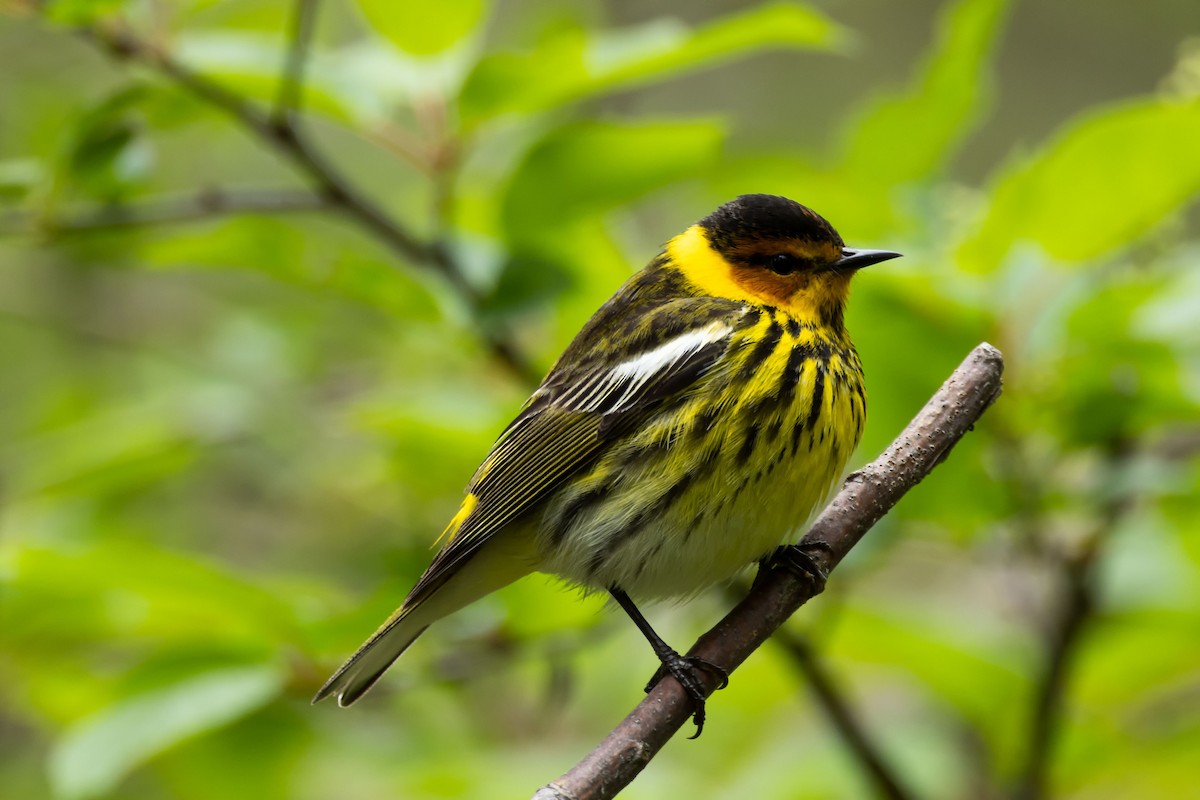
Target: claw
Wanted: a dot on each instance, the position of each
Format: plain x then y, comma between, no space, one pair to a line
694,663
798,560
683,669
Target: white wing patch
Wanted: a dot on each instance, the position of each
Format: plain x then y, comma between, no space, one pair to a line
630,376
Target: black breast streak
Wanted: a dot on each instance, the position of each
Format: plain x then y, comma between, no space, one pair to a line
776,457
791,372
784,392
705,419
856,405
818,397
797,432
762,349
747,448
773,428
816,402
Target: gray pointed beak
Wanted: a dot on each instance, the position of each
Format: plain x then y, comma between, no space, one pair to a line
857,259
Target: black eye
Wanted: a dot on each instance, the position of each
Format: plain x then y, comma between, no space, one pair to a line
783,263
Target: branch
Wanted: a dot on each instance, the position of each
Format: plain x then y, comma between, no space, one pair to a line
881,774
1064,638
864,498
291,82
1077,604
205,204
838,708
284,137
282,134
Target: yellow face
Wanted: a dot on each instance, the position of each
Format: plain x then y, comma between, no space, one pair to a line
791,274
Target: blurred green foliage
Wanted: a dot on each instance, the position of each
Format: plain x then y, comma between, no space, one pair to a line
227,442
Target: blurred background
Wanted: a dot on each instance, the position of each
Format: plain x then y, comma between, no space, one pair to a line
273,276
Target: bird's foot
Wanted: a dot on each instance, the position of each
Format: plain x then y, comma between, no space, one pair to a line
799,560
683,669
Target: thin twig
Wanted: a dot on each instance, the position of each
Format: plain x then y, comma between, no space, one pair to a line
206,204
882,775
1064,638
286,139
838,707
864,498
290,99
1077,603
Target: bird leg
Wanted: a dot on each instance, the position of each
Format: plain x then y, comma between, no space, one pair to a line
682,668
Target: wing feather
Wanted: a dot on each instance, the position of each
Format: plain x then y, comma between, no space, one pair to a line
566,424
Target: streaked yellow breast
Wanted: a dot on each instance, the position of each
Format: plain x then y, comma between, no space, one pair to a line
723,477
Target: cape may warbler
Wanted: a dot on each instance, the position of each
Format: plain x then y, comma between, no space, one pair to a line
691,427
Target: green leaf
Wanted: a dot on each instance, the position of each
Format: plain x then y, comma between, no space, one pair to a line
570,64
899,137
1104,181
551,211
584,168
907,136
1135,386
107,153
81,12
136,443
97,753
293,252
58,596
424,28
549,74
527,281
251,64
968,666
782,25
18,176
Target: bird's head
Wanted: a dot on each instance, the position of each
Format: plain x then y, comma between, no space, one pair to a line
770,250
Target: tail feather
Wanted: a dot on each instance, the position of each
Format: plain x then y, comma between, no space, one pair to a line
496,565
354,678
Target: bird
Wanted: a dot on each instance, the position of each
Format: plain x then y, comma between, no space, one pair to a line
691,427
